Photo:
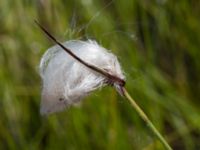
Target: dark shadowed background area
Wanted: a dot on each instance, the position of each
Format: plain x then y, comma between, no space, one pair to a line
158,45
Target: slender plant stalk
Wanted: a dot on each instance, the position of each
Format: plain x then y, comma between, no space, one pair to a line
146,119
113,79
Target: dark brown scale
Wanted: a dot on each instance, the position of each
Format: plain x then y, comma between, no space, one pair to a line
61,99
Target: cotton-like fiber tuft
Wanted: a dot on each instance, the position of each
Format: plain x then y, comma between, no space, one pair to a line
66,81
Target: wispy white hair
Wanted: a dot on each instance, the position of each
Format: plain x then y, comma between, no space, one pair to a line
66,81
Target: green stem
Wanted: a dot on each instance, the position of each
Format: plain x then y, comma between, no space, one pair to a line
146,120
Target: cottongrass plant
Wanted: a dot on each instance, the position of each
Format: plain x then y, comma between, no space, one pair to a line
69,77
66,81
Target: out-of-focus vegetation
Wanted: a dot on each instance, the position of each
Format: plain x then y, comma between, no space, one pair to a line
158,44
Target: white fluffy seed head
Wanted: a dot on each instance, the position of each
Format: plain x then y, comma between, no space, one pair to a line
66,81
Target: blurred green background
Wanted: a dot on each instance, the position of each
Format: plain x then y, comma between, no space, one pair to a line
158,45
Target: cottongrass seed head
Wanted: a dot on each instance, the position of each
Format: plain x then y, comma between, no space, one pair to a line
66,81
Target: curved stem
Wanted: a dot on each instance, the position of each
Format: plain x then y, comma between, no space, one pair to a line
146,119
